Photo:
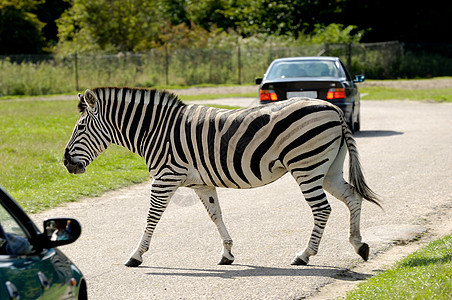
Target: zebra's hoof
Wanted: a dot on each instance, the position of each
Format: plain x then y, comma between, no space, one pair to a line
133,263
299,262
364,251
225,261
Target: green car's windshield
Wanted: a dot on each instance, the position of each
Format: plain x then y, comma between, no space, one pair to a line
303,68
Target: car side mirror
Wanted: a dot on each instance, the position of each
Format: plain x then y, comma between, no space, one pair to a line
359,78
61,231
258,80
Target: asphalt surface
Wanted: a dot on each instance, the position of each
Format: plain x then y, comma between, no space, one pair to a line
406,152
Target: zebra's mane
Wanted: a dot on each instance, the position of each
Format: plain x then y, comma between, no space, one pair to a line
171,98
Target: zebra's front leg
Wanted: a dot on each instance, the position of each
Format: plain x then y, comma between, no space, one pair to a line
161,193
209,198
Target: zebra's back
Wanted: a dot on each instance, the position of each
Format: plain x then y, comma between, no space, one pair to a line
252,147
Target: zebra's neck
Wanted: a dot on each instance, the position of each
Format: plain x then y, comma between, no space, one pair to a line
137,118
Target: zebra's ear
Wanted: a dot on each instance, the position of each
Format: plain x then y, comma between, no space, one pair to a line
90,98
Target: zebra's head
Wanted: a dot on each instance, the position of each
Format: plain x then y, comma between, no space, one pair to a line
89,138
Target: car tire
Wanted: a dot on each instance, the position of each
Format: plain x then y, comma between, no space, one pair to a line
351,123
83,291
357,124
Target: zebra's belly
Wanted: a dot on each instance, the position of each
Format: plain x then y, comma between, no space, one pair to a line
269,173
268,177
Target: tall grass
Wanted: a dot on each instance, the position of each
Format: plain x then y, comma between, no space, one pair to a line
28,75
27,78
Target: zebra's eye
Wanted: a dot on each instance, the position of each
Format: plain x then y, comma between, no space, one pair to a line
81,126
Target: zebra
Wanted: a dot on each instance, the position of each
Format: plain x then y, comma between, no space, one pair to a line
203,148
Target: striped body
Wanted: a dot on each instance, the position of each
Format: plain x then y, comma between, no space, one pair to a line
204,147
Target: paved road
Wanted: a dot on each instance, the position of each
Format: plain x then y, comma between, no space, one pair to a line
406,151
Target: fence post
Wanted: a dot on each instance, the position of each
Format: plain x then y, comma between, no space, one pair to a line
239,55
166,64
349,55
76,71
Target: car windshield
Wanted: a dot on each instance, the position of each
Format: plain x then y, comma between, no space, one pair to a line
303,68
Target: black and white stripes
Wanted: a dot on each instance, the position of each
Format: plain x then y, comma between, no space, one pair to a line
204,147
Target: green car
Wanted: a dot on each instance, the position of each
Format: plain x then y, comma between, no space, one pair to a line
31,266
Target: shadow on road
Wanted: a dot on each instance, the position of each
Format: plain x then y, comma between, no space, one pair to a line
376,133
259,271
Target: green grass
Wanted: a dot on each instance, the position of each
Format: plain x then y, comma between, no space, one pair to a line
426,274
384,93
33,135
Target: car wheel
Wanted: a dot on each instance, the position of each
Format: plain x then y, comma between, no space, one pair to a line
357,125
351,123
83,292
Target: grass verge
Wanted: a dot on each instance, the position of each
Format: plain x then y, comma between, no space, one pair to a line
384,93
425,274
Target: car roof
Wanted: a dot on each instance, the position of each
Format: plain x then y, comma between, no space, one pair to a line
319,58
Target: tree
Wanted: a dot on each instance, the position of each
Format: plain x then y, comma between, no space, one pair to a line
108,25
48,12
20,30
336,33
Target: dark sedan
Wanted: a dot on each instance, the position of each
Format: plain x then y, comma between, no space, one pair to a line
31,266
318,77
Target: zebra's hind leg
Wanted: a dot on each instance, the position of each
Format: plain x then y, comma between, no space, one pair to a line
209,198
161,192
316,198
339,188
335,184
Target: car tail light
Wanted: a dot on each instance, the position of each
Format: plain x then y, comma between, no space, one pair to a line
337,93
268,95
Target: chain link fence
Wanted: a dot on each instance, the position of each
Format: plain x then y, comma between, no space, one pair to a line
51,74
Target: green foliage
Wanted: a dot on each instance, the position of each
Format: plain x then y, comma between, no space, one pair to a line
336,34
19,28
101,25
93,25
426,274
135,25
26,78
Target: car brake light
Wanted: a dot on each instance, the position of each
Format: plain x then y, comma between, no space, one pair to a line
268,95
338,93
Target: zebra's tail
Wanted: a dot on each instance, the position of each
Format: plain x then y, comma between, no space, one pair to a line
356,175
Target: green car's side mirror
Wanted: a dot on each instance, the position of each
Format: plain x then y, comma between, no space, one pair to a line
61,231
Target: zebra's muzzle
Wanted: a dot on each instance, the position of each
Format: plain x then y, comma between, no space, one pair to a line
72,166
